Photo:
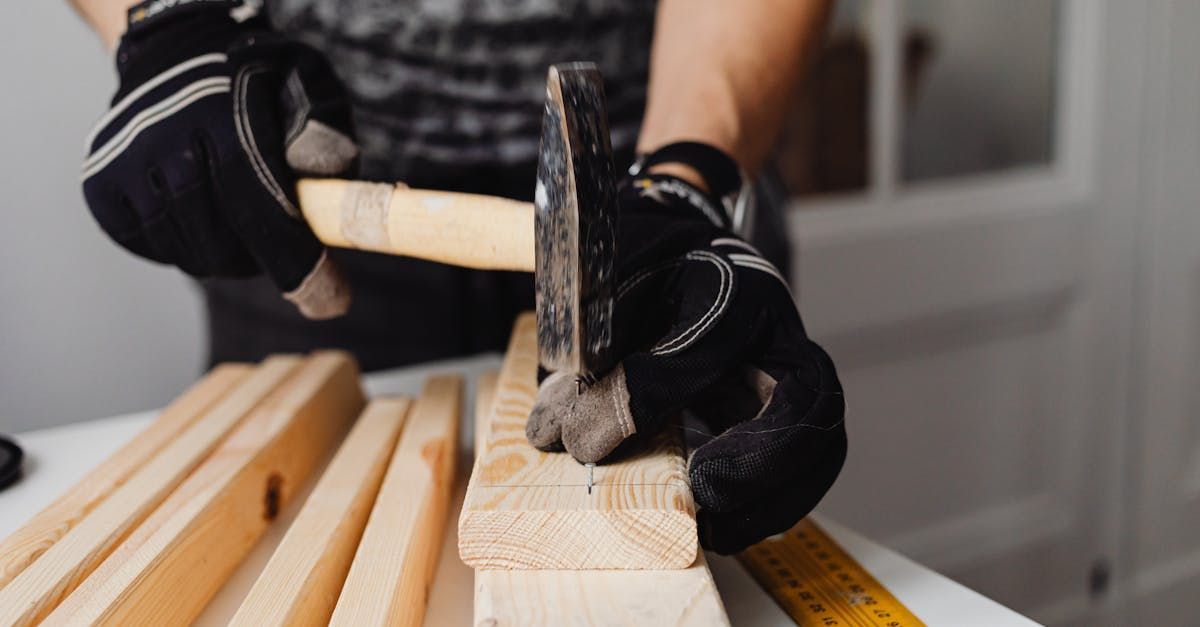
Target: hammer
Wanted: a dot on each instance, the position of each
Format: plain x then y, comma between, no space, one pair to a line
566,237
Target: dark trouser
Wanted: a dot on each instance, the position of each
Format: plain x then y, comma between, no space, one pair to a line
405,310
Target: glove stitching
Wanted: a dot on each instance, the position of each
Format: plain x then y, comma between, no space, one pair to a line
646,273
803,423
689,336
821,398
249,146
624,419
178,101
733,241
754,261
760,264
120,107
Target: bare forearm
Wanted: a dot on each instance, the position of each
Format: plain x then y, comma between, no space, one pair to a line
106,17
723,72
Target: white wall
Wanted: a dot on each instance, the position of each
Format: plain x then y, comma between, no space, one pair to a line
985,99
86,329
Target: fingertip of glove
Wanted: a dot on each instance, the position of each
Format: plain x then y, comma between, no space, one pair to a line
600,419
591,445
543,429
321,150
324,293
593,437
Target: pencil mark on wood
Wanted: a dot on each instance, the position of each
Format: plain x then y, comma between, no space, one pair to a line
529,509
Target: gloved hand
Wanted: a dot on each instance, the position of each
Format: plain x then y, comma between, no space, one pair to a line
706,324
195,163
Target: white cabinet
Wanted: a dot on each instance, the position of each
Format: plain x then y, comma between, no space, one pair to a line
1018,331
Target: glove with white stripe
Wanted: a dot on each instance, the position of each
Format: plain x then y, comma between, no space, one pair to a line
195,163
707,325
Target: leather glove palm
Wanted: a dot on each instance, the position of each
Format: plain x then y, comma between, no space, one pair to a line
195,163
707,324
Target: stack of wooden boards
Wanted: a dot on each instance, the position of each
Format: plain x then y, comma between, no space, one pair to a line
153,532
548,552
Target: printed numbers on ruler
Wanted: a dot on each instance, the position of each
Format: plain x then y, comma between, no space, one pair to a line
817,583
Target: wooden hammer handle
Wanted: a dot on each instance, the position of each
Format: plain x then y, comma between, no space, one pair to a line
468,230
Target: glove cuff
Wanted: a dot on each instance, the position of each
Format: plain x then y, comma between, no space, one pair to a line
673,195
717,168
157,39
148,15
724,205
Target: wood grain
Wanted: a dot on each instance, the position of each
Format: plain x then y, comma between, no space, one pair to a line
301,583
42,585
27,543
168,568
527,509
590,597
485,397
393,567
527,598
468,230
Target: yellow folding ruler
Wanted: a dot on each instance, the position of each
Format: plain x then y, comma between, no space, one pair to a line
816,582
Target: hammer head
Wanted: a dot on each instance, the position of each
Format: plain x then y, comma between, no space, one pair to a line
576,224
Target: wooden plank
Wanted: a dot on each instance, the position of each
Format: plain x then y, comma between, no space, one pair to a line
393,567
526,598
485,396
27,543
171,565
590,597
529,509
42,585
467,230
301,582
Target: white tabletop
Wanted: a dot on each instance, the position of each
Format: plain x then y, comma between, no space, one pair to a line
60,456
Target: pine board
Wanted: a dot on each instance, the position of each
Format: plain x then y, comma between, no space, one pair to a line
301,583
598,598
394,565
169,567
521,598
48,526
36,591
526,509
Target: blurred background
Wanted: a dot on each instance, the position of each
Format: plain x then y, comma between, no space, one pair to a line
997,237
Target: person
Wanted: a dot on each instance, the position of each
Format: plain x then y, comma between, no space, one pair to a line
223,104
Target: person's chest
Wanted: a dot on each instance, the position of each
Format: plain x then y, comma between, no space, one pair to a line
462,81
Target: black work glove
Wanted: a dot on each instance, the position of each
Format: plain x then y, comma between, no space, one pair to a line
195,163
706,324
